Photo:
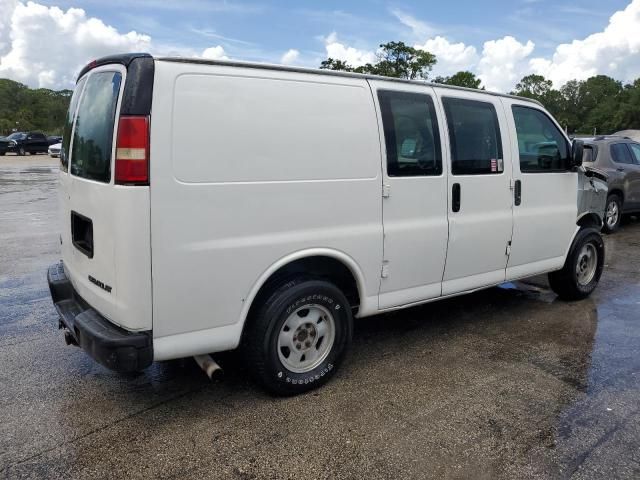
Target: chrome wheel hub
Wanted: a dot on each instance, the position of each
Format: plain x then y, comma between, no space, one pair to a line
587,264
306,338
612,214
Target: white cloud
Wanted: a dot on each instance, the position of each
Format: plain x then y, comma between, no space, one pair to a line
503,63
215,53
615,52
419,28
48,46
6,6
353,56
290,56
451,57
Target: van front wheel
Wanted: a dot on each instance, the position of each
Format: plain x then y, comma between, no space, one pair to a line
582,268
298,336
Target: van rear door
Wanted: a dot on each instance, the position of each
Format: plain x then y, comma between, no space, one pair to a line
105,226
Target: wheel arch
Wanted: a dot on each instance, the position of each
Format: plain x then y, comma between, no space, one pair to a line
333,264
590,219
617,191
579,228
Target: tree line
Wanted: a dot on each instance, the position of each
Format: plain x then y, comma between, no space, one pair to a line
23,108
598,105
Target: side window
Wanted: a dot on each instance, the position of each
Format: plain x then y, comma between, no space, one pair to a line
543,148
474,135
411,134
620,153
635,151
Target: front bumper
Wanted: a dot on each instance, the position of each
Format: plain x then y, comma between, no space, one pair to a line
110,345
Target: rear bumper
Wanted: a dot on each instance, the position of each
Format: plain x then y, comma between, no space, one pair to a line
110,345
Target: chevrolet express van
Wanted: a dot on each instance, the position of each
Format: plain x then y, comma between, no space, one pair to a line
214,205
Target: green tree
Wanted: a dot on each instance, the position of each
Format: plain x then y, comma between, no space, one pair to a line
394,59
569,111
23,108
533,86
600,100
334,64
461,79
628,114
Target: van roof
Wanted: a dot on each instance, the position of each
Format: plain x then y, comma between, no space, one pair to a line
125,59
337,73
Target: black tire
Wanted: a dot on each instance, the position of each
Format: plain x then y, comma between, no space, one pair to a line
21,152
2,154
260,341
610,227
565,282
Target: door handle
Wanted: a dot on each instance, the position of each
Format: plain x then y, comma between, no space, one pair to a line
620,169
455,200
517,193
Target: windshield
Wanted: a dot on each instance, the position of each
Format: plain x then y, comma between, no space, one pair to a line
17,136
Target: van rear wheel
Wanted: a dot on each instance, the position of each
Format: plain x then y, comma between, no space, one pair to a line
582,268
298,336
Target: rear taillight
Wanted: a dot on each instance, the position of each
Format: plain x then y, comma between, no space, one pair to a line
132,151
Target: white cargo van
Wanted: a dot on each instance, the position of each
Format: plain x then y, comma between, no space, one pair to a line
211,205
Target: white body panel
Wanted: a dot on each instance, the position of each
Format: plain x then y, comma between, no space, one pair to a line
254,168
249,167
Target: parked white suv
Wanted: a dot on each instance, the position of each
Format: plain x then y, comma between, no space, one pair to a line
210,205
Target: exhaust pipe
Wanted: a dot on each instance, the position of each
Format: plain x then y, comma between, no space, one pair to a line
208,364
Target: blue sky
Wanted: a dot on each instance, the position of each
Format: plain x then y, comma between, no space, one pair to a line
500,41
263,30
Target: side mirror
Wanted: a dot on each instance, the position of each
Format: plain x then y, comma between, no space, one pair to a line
577,150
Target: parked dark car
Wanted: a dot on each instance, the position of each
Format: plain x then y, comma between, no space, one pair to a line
619,158
24,142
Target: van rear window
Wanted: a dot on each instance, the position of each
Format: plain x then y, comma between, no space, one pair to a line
68,125
93,137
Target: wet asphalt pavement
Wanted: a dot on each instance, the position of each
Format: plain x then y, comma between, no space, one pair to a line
505,383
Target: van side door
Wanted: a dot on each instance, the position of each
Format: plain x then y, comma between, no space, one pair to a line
414,192
545,193
479,195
